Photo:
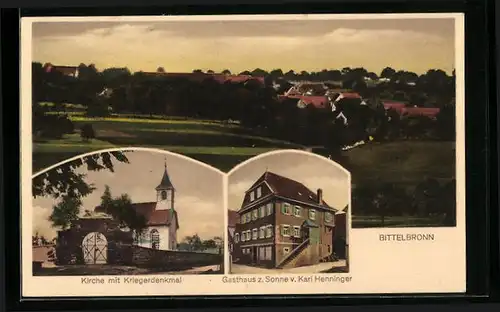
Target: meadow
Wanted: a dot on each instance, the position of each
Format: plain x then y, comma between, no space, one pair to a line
220,145
223,146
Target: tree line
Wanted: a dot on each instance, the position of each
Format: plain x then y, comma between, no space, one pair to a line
256,106
428,198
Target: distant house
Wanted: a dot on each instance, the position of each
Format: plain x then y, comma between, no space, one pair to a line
307,88
70,71
285,224
161,218
397,106
430,112
404,111
200,76
316,101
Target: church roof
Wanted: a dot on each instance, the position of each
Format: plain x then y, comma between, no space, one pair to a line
165,181
153,217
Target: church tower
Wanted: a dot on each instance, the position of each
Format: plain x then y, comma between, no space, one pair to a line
165,192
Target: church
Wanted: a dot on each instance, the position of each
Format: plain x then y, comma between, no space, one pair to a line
162,221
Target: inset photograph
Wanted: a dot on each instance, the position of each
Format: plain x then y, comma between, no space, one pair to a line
288,213
126,213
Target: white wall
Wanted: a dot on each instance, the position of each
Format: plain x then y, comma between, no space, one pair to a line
164,237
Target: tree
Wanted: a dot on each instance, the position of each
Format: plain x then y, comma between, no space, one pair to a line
66,211
388,73
209,244
226,72
194,242
121,208
160,70
87,132
65,181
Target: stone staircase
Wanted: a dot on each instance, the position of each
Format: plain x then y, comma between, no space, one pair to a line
293,254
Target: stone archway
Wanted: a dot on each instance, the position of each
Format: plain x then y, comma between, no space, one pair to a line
95,248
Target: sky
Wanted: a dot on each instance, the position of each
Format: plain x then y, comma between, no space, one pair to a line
198,197
309,169
311,45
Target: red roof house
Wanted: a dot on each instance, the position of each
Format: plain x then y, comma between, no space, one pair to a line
397,106
430,112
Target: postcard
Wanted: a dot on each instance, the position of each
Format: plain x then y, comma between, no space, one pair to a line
243,155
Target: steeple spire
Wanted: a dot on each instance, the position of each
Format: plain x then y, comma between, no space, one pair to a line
165,180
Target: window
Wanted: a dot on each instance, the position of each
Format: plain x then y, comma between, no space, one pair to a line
236,238
296,211
259,192
265,253
269,209
328,217
252,196
269,231
285,208
261,212
243,219
248,217
296,231
329,249
254,234
312,214
269,252
155,239
163,195
261,253
243,236
262,232
285,230
255,214
286,250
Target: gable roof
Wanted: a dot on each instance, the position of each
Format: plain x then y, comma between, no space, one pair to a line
316,101
66,70
232,218
165,183
420,111
290,189
348,95
397,106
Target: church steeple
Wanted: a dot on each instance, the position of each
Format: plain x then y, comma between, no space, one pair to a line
165,183
165,192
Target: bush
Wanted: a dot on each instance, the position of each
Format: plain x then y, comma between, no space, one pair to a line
87,132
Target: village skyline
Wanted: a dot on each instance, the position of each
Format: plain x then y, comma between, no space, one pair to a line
184,46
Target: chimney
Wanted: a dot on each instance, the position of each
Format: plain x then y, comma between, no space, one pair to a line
320,196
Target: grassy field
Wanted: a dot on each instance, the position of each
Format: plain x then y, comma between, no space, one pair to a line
404,162
222,146
399,221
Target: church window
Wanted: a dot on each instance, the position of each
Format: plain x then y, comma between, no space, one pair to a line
164,195
155,239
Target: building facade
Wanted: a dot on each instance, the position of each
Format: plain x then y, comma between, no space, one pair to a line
284,224
162,221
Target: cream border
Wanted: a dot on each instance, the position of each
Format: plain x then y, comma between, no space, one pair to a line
444,272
